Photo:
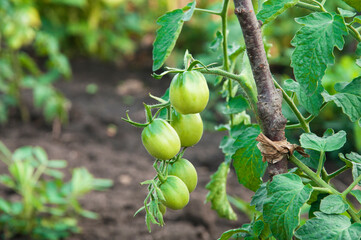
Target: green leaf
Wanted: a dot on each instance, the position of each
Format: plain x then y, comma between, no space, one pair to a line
348,98
356,4
358,62
171,25
315,202
40,154
326,227
333,204
228,234
217,194
358,48
5,206
189,10
358,20
281,210
272,8
311,103
311,161
314,44
247,161
259,197
325,143
235,105
355,160
250,231
57,163
216,43
72,3
357,194
89,214
346,13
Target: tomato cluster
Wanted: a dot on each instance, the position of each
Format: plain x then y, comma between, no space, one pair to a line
163,139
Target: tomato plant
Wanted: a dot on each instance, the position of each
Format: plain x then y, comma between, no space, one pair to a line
189,128
185,170
188,92
263,109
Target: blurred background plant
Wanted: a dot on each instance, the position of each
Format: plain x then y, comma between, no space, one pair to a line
46,207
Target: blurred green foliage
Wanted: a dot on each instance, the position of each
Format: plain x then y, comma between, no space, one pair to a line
46,206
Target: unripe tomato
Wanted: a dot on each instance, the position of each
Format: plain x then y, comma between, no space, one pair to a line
175,193
160,139
188,92
185,170
189,128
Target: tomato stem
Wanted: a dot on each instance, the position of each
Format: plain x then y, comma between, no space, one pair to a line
320,163
136,124
148,113
162,178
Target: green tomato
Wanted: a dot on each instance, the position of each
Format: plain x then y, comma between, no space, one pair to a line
189,128
185,170
160,139
188,92
175,193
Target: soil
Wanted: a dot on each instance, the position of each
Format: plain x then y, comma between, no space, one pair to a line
99,140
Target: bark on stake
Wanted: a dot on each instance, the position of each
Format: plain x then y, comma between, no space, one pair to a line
269,104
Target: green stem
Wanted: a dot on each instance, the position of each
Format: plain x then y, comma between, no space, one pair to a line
323,190
293,126
241,79
311,117
148,113
320,5
303,124
312,174
320,163
323,184
225,49
344,193
207,11
308,6
24,112
324,174
354,33
224,33
336,173
236,53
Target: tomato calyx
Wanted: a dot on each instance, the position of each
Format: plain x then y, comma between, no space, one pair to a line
148,110
136,124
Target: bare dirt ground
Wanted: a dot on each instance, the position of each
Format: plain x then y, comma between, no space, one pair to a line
88,141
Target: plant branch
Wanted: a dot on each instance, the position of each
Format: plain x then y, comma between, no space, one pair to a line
225,50
312,174
353,184
207,11
308,6
241,79
336,173
269,103
303,124
320,163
